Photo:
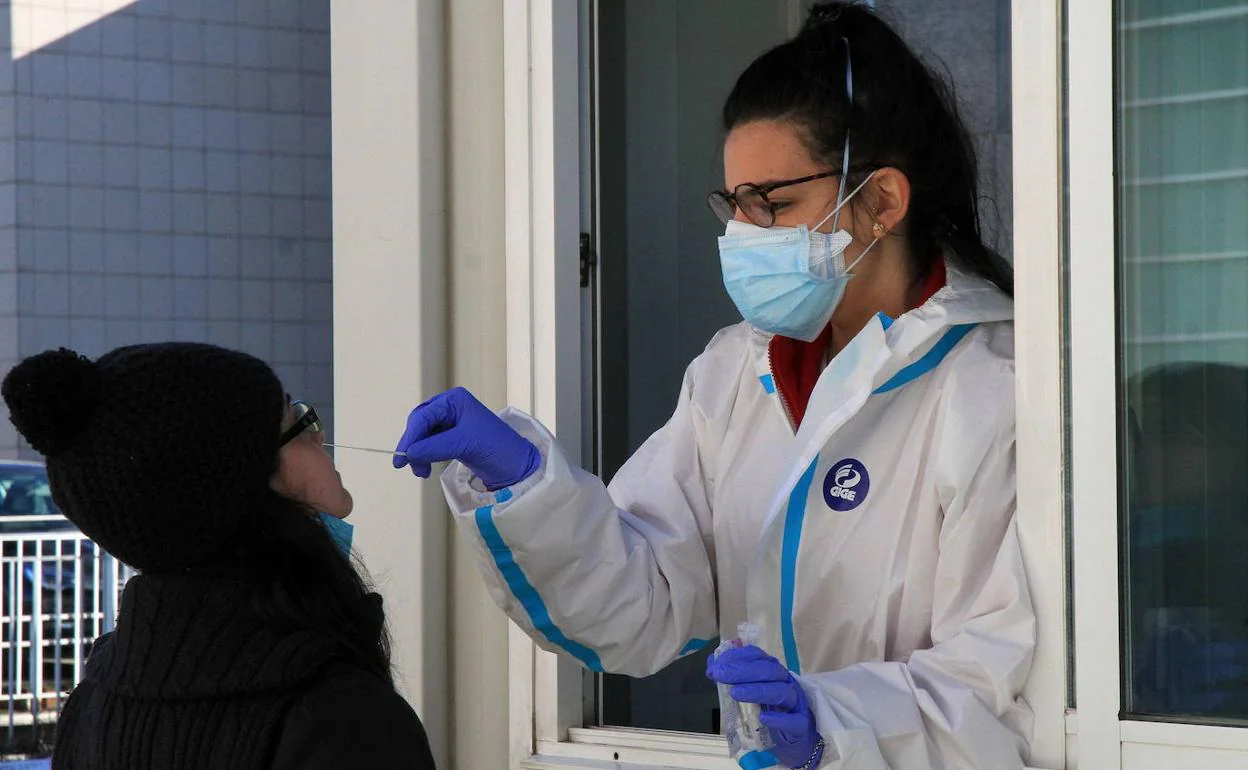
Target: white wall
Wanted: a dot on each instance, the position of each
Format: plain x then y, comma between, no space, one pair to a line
390,311
420,304
476,244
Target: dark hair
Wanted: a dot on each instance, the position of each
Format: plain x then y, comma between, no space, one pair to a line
902,115
305,583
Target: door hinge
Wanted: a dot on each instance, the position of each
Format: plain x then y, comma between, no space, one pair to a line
588,262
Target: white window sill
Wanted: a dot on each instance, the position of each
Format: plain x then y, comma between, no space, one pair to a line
629,749
612,748
544,762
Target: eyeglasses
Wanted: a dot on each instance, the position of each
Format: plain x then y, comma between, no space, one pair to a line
753,201
305,420
752,198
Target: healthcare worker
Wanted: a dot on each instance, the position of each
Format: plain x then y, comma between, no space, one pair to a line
839,469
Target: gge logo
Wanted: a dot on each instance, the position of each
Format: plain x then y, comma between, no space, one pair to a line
846,485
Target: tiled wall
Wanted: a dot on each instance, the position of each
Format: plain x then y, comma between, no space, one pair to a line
171,161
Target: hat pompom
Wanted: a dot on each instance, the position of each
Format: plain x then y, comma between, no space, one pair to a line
50,398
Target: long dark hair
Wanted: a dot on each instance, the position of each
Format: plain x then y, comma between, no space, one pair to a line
304,582
902,115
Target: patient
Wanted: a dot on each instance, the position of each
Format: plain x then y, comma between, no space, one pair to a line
249,640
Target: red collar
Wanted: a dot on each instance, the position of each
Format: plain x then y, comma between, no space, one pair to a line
796,365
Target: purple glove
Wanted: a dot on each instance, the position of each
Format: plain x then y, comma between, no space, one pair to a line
456,426
760,678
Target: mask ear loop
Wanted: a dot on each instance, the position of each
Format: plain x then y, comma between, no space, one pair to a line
870,246
842,204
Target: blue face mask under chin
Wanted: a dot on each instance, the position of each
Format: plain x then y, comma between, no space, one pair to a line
340,531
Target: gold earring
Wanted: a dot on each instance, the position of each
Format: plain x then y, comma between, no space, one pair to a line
878,229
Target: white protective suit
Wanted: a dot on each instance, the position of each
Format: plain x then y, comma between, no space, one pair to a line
876,547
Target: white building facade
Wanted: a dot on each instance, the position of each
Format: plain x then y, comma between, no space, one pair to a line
165,174
475,141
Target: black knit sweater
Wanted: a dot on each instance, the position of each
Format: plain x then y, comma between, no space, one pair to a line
192,678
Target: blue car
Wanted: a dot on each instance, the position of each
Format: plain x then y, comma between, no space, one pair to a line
26,499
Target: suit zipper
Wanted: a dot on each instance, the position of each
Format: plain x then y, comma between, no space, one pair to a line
784,403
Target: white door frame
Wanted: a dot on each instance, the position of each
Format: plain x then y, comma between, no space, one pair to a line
1036,47
544,364
1093,379
542,194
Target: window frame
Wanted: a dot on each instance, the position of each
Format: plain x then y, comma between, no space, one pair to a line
1105,739
1036,74
544,363
1093,386
542,217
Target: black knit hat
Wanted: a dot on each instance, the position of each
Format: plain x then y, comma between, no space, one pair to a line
157,452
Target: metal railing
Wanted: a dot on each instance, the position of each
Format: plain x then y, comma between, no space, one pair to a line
59,593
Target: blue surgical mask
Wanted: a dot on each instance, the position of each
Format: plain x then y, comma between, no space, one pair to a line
340,531
788,280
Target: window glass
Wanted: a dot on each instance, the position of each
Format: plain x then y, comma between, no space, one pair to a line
1183,289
